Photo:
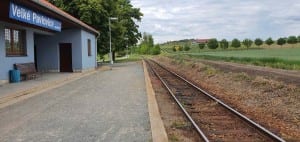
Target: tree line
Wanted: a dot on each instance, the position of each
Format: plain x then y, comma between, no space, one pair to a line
224,44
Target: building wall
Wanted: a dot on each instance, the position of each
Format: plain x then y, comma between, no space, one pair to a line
6,63
48,50
88,62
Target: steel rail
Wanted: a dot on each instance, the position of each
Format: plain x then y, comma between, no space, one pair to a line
199,131
243,117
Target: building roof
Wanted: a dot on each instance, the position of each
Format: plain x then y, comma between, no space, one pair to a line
56,10
201,40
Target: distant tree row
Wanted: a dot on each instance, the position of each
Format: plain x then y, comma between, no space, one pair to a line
186,47
147,46
224,44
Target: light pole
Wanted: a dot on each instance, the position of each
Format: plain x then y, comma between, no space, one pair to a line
126,39
110,53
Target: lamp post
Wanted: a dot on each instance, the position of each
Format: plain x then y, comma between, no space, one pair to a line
110,53
126,39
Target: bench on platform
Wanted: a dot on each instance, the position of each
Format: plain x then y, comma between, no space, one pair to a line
27,70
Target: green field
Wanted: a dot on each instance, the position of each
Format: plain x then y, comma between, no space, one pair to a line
284,58
292,54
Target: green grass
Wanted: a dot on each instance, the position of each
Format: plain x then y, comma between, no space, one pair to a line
292,54
284,58
132,58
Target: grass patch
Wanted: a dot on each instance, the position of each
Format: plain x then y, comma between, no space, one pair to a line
284,58
210,71
173,138
242,76
270,62
179,125
131,58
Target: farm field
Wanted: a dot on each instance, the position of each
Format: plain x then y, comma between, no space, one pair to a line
292,54
284,58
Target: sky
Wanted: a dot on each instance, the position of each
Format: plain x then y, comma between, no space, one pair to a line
168,20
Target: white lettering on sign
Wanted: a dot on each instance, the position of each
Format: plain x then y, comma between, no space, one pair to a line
26,15
20,12
39,19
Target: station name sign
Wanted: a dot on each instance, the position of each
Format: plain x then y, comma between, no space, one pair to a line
26,15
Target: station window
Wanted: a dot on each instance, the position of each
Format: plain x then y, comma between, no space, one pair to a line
89,47
15,42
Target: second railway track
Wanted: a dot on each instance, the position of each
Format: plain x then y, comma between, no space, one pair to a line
213,119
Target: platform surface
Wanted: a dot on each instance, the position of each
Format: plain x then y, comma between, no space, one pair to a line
108,106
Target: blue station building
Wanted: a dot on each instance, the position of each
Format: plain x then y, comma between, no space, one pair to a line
35,31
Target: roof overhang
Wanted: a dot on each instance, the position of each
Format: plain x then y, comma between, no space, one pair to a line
46,8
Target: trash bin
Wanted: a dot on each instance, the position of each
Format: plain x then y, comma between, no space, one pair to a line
14,76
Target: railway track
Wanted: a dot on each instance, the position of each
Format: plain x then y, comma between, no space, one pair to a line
212,119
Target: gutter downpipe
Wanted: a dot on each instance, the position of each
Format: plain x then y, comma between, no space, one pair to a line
96,45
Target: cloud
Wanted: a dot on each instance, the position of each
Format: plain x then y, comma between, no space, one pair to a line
182,19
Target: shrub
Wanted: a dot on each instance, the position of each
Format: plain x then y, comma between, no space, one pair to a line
269,41
247,42
258,42
174,48
144,49
292,40
187,48
281,41
236,43
201,45
224,44
155,50
180,48
213,43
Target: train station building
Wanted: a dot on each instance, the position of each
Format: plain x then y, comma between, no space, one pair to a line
35,31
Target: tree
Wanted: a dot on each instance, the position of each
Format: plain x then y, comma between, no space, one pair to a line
146,44
298,37
281,41
213,43
186,47
201,45
247,42
96,13
155,50
224,44
236,43
269,41
292,40
258,42
147,40
144,49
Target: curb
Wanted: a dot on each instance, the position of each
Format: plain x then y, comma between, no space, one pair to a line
15,97
158,130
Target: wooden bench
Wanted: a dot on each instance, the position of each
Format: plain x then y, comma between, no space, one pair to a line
27,70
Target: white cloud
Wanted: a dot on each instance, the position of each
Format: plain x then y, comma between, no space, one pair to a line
181,19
